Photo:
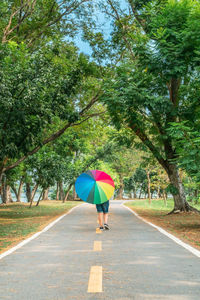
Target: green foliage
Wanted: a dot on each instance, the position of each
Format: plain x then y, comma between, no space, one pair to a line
188,146
70,155
38,91
140,179
38,22
157,81
152,89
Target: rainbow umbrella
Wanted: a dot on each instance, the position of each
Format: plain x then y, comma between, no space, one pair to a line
94,186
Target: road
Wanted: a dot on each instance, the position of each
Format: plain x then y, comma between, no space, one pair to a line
73,261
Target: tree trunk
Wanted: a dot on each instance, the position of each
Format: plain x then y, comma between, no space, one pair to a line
196,193
74,193
15,191
4,194
9,194
180,203
34,190
33,195
41,194
134,195
140,193
1,188
5,191
57,192
148,185
20,191
164,198
61,191
158,192
45,194
67,193
28,192
121,188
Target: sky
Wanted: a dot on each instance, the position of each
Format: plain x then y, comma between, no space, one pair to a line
104,25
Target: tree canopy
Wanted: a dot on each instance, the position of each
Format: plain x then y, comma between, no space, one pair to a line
130,106
153,85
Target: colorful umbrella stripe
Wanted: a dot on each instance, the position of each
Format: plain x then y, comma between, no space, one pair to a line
94,186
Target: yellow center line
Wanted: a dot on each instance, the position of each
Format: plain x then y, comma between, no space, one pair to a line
97,246
95,280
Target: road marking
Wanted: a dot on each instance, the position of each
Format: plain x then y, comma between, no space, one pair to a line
95,280
37,233
169,235
97,246
98,230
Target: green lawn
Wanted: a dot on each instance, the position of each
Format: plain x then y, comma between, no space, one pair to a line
19,221
157,205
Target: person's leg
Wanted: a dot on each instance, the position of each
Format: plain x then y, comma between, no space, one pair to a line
105,215
100,215
105,218
100,219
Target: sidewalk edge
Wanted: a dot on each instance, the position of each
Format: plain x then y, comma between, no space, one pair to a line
35,235
169,235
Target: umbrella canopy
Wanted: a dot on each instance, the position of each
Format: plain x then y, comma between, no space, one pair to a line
94,186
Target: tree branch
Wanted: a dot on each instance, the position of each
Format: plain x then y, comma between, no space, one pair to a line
117,17
136,15
54,136
143,137
8,30
88,117
29,8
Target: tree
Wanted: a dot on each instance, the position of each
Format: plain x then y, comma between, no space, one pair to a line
14,179
63,160
43,80
42,95
187,139
140,180
153,84
123,161
157,180
35,22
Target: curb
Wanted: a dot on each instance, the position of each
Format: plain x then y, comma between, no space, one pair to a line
169,235
35,235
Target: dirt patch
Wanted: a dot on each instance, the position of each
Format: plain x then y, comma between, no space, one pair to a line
185,226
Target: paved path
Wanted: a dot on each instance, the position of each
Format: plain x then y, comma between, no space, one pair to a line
138,262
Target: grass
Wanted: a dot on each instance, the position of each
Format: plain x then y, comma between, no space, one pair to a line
156,205
18,221
185,226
